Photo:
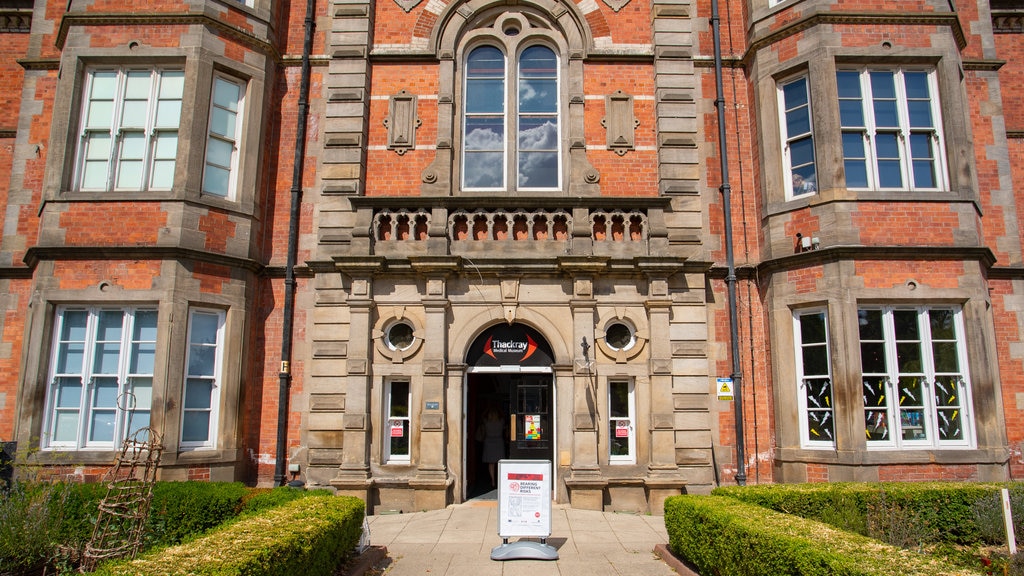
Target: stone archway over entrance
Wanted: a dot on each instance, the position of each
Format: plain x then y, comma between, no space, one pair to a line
509,402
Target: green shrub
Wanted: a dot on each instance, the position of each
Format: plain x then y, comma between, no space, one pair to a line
258,500
183,509
308,536
724,536
938,511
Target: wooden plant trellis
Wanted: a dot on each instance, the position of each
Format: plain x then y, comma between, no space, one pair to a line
124,510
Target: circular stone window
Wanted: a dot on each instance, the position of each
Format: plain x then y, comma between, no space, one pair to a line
399,336
619,336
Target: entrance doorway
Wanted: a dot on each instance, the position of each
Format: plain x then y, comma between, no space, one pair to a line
523,404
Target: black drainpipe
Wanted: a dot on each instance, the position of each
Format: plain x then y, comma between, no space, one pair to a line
730,279
284,376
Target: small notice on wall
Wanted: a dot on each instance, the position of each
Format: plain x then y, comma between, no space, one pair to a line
725,388
532,424
397,430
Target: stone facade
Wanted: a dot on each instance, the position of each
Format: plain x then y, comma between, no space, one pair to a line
592,312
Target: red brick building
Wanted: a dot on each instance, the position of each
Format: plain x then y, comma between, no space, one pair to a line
324,240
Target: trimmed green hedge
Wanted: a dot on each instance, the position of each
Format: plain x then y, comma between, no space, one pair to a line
723,536
309,536
941,511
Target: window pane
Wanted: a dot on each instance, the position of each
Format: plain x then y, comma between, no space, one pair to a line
99,114
201,360
485,96
97,156
69,358
143,357
920,113
107,358
851,113
400,444
101,426
133,113
618,400
923,163
942,324
883,84
172,84
945,357
129,167
856,174
142,388
484,169
105,393
137,83
219,152
65,429
486,61
226,94
905,324
198,392
908,357
815,360
885,114
538,169
222,122
794,94
802,151
872,357
168,113
216,180
204,328
399,407
798,121
876,425
812,328
913,424
538,96
820,425
916,84
870,324
69,393
538,133
485,133
848,84
195,427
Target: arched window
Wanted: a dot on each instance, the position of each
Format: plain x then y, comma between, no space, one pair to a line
511,119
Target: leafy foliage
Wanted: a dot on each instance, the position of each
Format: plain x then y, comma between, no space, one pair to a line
725,536
309,536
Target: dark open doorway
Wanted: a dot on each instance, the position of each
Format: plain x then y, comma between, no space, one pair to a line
523,403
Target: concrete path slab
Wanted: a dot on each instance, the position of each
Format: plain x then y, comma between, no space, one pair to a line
457,541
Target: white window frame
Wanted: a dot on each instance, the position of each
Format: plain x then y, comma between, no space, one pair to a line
890,379
815,392
808,187
134,384
629,420
231,138
214,376
511,117
406,422
904,132
106,119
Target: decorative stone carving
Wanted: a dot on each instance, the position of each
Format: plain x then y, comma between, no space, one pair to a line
402,122
616,5
407,5
620,123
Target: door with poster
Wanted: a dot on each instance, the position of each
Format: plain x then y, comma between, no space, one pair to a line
531,418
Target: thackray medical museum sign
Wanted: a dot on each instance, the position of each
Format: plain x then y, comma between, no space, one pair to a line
515,345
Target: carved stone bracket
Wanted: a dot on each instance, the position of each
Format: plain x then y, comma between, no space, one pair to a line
402,122
616,5
407,5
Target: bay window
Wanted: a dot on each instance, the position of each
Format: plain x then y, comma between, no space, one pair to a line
814,379
891,135
916,388
128,138
101,376
202,378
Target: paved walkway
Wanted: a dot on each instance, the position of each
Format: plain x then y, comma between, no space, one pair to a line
457,541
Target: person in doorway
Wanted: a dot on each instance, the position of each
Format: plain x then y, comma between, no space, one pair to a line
493,432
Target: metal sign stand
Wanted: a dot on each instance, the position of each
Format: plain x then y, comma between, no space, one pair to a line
524,510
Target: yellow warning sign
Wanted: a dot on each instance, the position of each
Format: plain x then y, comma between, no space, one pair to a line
725,389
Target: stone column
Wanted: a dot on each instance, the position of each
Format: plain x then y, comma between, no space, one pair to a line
354,473
432,481
586,484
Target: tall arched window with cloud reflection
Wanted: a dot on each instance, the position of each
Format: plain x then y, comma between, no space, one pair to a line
510,120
